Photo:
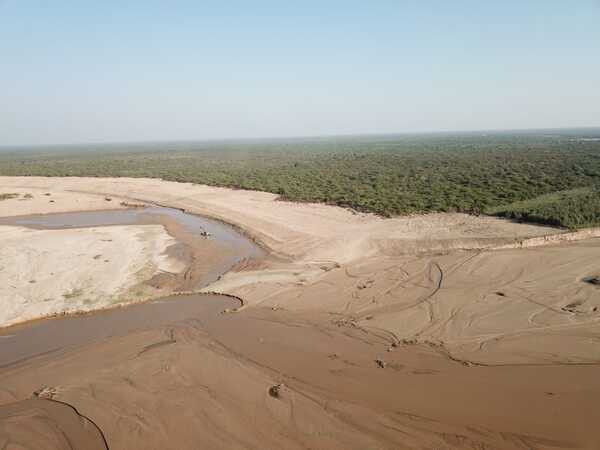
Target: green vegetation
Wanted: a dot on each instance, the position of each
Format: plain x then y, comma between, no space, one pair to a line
387,175
573,209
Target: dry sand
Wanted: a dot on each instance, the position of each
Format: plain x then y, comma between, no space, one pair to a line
304,232
46,272
399,333
49,200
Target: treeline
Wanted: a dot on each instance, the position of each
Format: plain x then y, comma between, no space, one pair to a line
387,175
571,209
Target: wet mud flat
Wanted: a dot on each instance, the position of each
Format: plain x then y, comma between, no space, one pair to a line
40,424
177,378
43,421
45,336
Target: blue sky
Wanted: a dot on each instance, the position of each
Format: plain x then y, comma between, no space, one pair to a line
89,71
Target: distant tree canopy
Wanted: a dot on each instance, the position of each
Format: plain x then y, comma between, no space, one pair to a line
551,179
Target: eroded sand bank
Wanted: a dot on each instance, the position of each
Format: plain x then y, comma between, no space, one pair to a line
400,333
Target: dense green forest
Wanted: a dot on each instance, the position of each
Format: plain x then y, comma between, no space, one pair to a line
573,209
549,177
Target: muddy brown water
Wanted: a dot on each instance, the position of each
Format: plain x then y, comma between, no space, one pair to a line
207,258
22,342
193,223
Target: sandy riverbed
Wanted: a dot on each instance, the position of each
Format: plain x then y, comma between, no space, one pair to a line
400,333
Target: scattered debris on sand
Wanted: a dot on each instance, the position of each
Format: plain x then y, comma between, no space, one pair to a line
132,205
348,322
365,284
572,307
593,280
46,392
8,196
330,266
275,390
380,363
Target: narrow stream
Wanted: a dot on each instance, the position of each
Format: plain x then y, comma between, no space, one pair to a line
194,224
28,340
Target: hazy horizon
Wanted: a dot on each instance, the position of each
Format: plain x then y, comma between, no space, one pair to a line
135,72
568,131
